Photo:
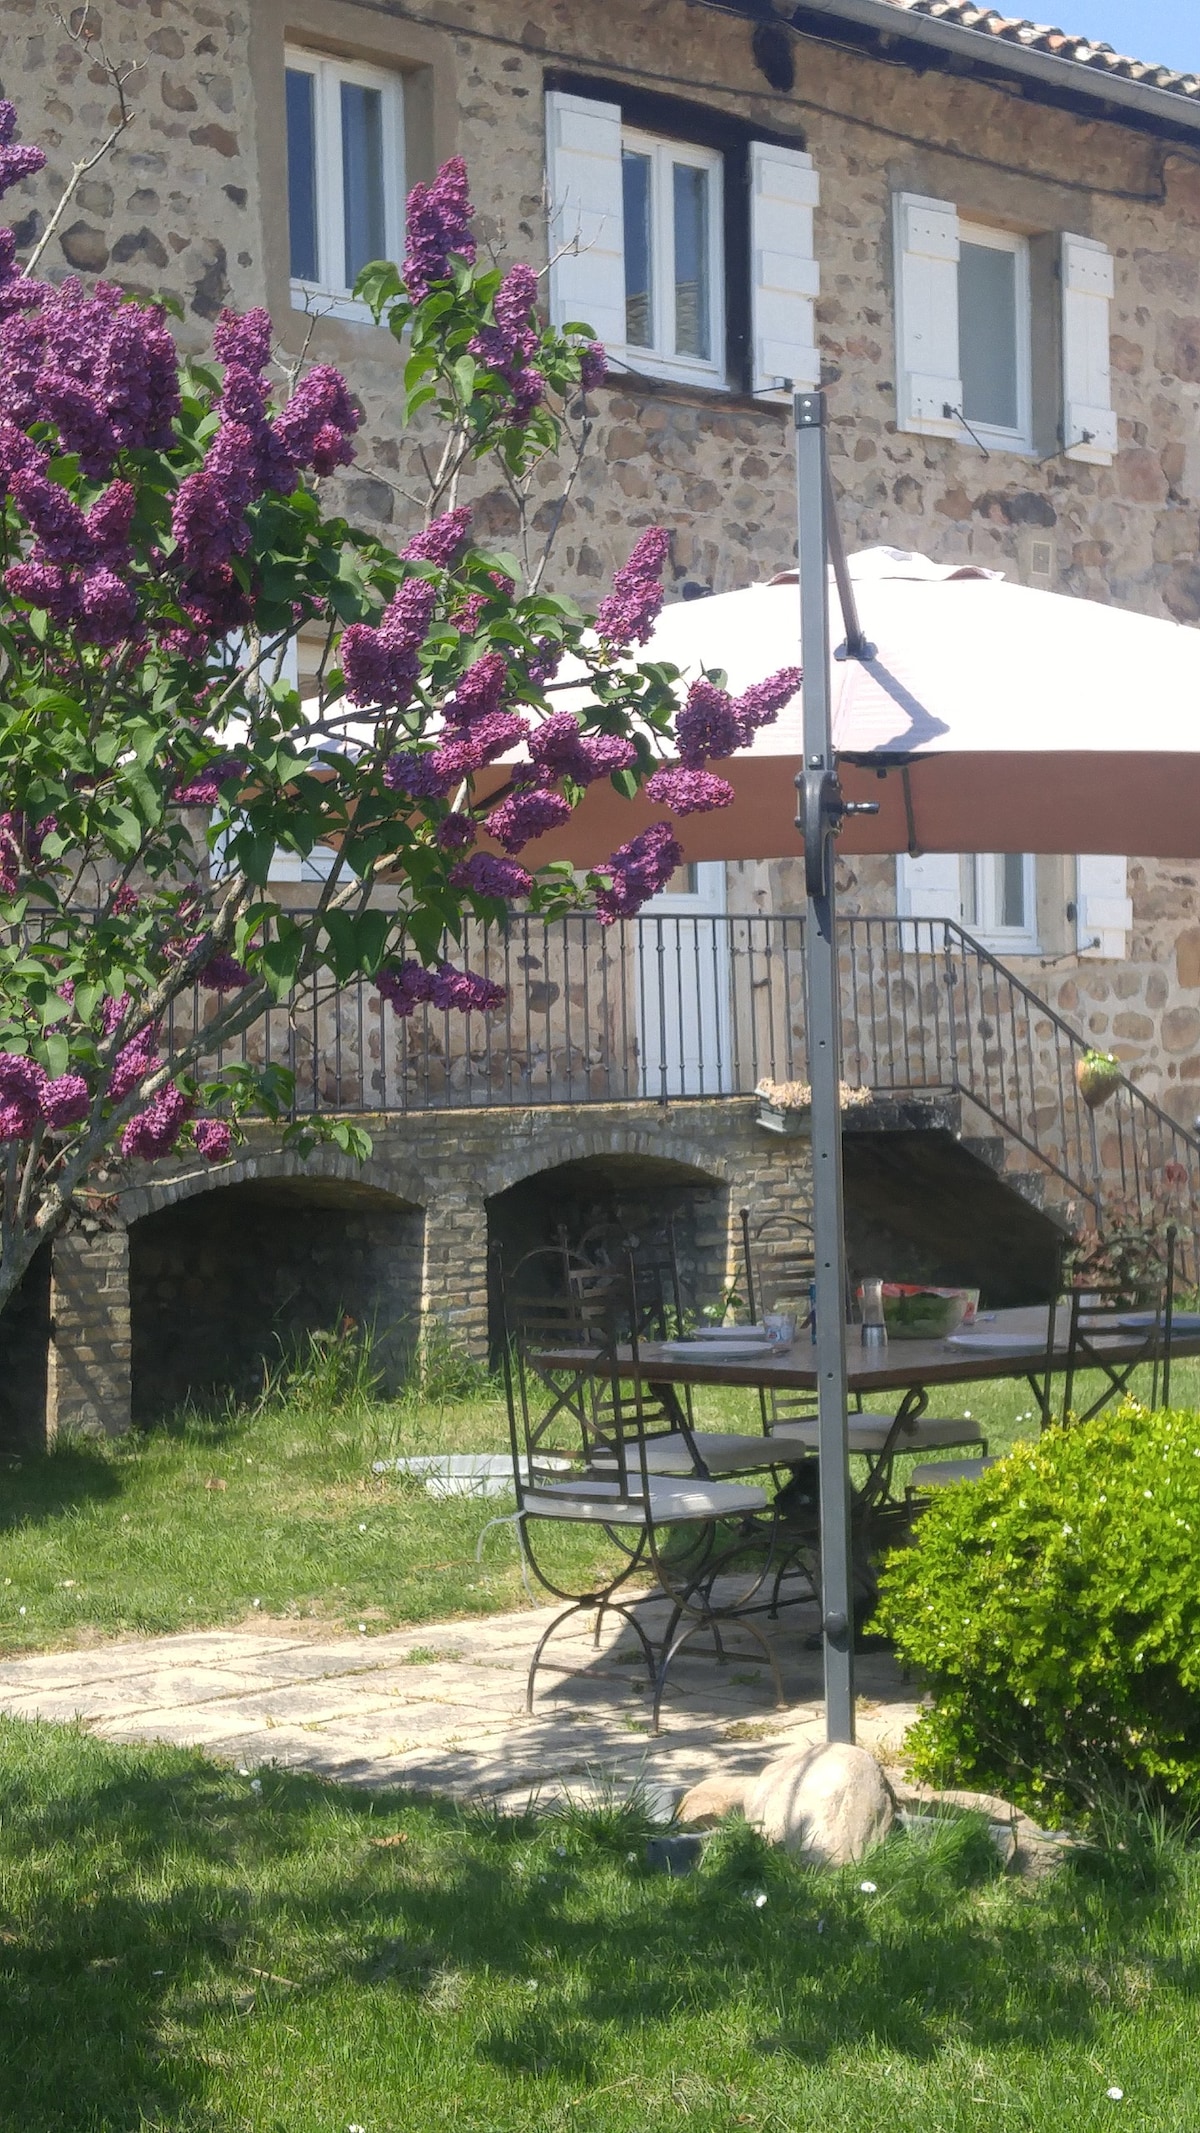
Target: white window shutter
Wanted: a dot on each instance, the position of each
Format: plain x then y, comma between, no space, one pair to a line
1103,911
1089,423
784,190
928,382
587,218
928,888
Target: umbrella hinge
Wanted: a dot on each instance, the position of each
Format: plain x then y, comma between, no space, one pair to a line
823,809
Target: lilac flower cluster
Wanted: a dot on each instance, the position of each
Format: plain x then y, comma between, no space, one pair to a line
409,985
438,226
442,541
380,665
16,162
508,346
223,973
133,1063
638,870
66,1101
628,613
479,693
22,1083
593,366
454,833
559,749
251,454
213,1139
102,370
432,775
544,661
204,788
20,847
525,815
485,875
152,1133
762,702
17,291
713,723
688,792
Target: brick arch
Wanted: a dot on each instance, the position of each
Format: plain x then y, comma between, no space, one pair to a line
574,1145
397,1180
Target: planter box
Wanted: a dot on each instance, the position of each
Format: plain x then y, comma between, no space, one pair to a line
794,1123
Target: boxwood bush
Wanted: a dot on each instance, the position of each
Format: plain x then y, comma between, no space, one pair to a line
1052,1608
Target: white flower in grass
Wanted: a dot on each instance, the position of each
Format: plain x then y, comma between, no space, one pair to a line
20,1610
256,1784
869,1888
1115,2095
362,1529
757,1897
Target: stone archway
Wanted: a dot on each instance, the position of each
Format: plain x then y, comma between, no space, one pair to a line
224,1281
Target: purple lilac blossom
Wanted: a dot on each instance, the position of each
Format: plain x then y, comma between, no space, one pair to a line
465,616
438,226
152,1133
107,608
442,541
688,792
544,661
466,992
45,585
17,452
380,665
593,366
59,524
113,1012
407,987
215,602
124,901
65,1102
213,1138
16,162
478,693
414,773
485,875
133,1062
223,973
708,725
525,815
108,523
17,291
762,702
21,1085
627,615
454,833
560,750
204,789
105,370
243,339
319,421
478,744
638,871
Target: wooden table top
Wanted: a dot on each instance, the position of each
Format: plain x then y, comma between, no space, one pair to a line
896,1368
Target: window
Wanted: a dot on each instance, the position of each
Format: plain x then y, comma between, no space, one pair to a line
994,336
345,144
674,302
965,317
1000,900
637,247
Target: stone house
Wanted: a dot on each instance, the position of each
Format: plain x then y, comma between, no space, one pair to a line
984,240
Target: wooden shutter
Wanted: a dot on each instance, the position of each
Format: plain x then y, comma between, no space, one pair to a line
1103,911
1089,423
928,382
785,278
587,221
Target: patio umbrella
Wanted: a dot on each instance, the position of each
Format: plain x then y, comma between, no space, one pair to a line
988,715
963,714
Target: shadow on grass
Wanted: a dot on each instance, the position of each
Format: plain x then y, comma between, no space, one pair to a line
45,1485
157,1906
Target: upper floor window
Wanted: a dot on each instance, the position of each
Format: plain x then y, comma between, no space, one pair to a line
674,295
345,143
968,298
638,222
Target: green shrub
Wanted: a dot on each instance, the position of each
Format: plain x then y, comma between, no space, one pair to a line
1053,1608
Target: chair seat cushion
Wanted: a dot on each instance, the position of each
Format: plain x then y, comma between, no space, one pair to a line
941,1472
670,1503
870,1433
723,1452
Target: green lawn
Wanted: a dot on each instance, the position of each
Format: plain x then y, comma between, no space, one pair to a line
181,1951
195,1523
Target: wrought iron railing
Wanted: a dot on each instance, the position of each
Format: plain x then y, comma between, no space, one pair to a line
689,1007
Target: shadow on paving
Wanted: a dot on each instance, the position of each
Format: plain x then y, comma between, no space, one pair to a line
147,1892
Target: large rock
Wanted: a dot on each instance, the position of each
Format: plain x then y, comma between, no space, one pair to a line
712,1799
826,1804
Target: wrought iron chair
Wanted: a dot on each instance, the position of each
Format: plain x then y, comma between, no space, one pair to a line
584,1459
1100,1310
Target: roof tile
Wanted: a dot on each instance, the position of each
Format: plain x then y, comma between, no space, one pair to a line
1061,43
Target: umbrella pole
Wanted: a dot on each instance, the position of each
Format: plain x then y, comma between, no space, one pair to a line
820,814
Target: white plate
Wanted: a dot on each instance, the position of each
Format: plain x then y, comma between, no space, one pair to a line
728,1333
1028,1341
720,1352
1181,1321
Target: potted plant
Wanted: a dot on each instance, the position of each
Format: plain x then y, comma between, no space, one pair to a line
786,1106
1097,1077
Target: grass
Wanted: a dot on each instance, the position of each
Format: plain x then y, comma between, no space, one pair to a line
182,1948
218,1518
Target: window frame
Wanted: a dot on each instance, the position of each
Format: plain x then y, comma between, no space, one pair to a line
327,296
664,151
1001,940
1020,439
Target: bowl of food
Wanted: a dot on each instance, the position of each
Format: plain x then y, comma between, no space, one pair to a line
911,1313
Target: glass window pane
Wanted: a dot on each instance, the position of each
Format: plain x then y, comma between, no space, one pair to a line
639,295
302,174
987,332
1011,868
693,306
362,176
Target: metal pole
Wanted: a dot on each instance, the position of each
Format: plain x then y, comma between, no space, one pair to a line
819,818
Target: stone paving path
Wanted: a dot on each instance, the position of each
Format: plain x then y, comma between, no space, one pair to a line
442,1708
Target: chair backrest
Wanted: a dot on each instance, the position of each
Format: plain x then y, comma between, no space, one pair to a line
1142,1314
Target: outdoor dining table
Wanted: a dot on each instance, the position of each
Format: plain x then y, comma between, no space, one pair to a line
1001,1344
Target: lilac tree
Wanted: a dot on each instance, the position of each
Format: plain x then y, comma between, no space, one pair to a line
164,541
